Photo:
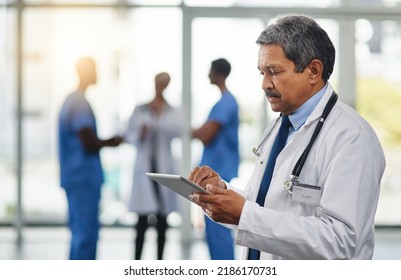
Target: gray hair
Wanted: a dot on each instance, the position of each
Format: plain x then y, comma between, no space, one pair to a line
302,40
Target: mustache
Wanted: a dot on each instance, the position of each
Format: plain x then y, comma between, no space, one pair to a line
273,94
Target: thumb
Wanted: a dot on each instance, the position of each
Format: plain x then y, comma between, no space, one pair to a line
215,190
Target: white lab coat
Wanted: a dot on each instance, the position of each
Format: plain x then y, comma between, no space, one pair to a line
168,125
347,161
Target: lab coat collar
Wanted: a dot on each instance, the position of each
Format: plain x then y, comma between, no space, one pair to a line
317,112
299,117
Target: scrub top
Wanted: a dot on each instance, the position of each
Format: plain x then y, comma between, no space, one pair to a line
222,154
77,166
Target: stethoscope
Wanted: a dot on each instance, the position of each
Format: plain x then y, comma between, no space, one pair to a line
289,183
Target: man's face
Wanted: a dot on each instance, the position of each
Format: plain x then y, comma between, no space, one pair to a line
212,76
88,73
286,90
93,75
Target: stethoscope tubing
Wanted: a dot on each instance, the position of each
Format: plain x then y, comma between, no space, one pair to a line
302,159
256,151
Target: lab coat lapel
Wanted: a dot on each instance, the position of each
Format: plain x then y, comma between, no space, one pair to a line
261,160
318,111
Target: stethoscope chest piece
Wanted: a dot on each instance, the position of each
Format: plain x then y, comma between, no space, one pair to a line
287,185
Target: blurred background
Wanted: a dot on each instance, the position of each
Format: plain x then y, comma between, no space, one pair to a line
131,41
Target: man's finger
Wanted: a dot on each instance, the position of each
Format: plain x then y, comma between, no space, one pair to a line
192,174
215,190
201,174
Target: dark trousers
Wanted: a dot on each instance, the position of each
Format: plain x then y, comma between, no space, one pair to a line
141,227
143,224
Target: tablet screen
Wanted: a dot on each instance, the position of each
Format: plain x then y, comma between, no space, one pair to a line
177,183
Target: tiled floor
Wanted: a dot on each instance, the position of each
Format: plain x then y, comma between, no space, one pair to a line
117,244
114,244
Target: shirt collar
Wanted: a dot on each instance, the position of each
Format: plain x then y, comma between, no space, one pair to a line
299,117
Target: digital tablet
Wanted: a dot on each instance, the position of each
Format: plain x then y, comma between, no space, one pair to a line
177,183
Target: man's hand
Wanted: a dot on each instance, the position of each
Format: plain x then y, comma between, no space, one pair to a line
223,206
205,175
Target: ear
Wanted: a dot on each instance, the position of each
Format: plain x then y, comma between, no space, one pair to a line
315,69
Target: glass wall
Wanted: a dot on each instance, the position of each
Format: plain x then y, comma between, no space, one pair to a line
146,52
71,1
131,45
234,40
53,41
260,3
128,57
378,49
96,2
8,114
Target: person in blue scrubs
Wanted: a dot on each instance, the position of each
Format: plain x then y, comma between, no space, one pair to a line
219,136
81,173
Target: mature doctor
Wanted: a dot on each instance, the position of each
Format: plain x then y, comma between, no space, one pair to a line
318,206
